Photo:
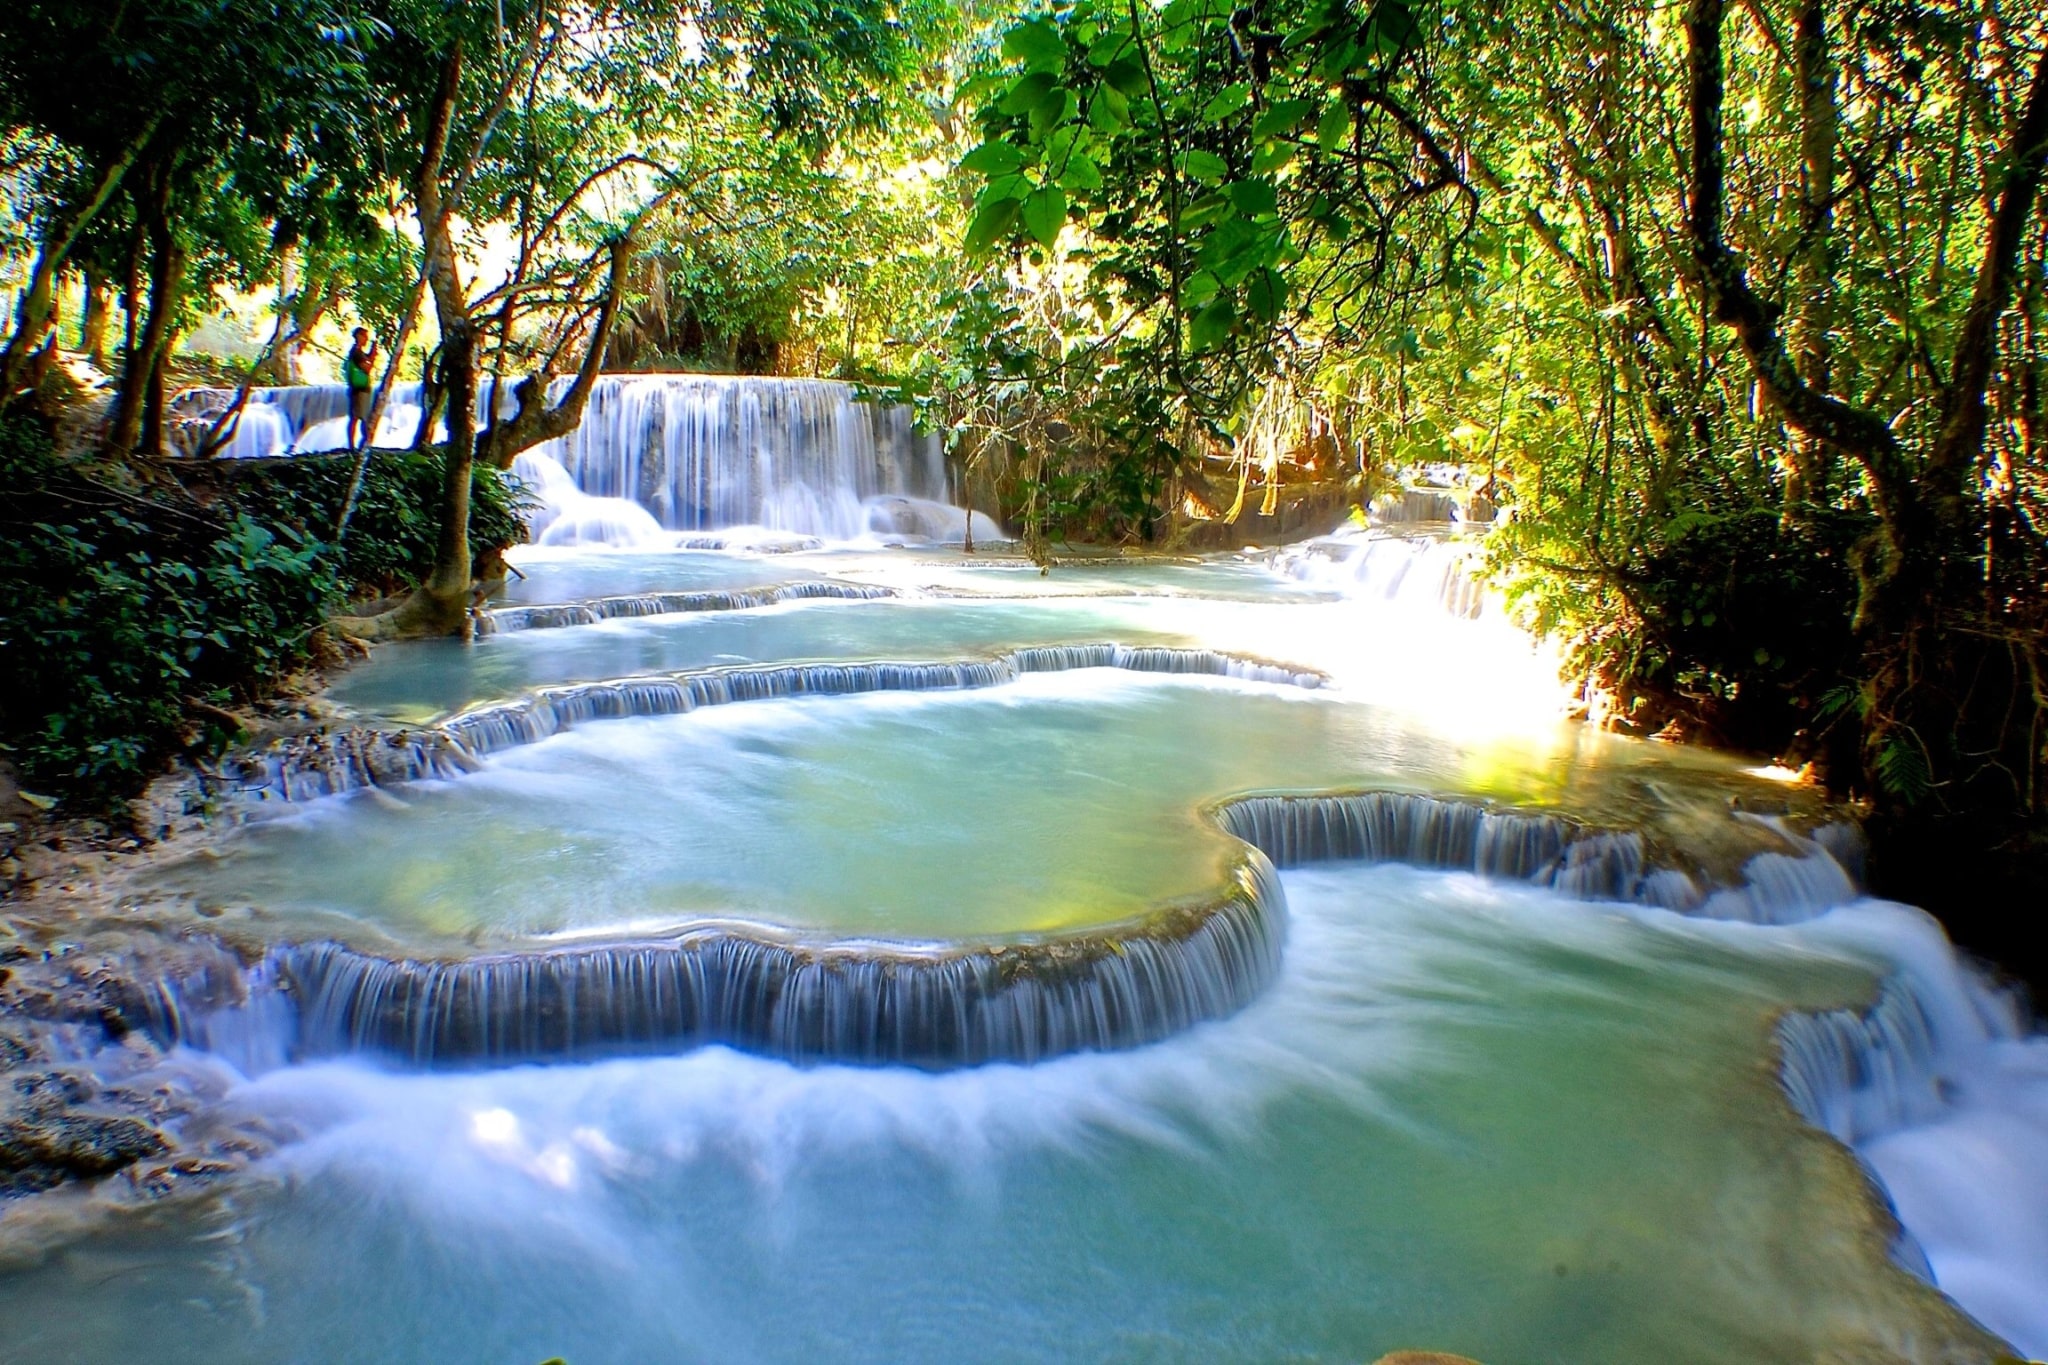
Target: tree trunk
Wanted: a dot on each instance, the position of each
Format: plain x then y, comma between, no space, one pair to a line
1813,274
441,606
37,307
99,308
138,410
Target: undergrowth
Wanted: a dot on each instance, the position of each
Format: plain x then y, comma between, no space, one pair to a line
133,614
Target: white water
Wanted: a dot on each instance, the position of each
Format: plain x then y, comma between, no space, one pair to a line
747,459
1459,1105
1949,1108
1373,1154
1945,1096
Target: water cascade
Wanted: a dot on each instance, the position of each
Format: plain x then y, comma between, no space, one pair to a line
1020,999
1382,1061
1426,575
1547,850
330,764
686,453
872,1003
798,456
498,620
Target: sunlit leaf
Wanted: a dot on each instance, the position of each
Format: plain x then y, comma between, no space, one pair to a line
1037,44
993,158
992,224
1253,197
1226,102
1045,211
1211,327
1026,93
1081,173
1206,167
1265,294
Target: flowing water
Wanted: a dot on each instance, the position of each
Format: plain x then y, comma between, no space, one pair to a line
1491,1064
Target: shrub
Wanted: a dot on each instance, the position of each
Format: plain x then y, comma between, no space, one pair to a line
126,615
393,531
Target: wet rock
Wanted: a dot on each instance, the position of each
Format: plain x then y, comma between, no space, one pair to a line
162,1180
43,1148
51,1087
15,1050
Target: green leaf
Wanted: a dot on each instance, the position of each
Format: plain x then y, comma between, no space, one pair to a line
993,158
1108,48
1203,212
1001,188
1045,211
1283,117
1226,102
1081,173
992,224
1025,95
1206,167
1253,197
1334,126
1127,76
1053,110
1037,44
1109,110
1266,293
1211,327
1269,157
1396,25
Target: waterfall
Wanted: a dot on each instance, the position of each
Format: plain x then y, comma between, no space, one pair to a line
688,453
702,452
1549,850
502,619
1415,504
881,1002
858,1002
310,766
1937,1076
1430,574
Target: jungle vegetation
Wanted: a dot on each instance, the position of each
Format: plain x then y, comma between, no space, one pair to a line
1738,310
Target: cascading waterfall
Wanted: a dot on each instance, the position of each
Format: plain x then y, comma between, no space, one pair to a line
801,456
932,1006
878,1002
502,619
1942,1056
689,453
309,419
1431,574
313,766
1548,850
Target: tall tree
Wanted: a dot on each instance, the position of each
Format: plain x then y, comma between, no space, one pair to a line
570,125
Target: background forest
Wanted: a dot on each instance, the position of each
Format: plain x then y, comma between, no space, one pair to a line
1736,311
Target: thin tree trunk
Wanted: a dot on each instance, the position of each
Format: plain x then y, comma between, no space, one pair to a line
38,301
1813,275
138,410
99,308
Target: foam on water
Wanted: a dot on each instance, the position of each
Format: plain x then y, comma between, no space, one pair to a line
1450,1094
1942,1087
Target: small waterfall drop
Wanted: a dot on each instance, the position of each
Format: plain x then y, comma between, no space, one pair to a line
313,766
872,1003
1424,574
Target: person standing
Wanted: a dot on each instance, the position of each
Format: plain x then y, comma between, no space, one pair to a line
362,360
